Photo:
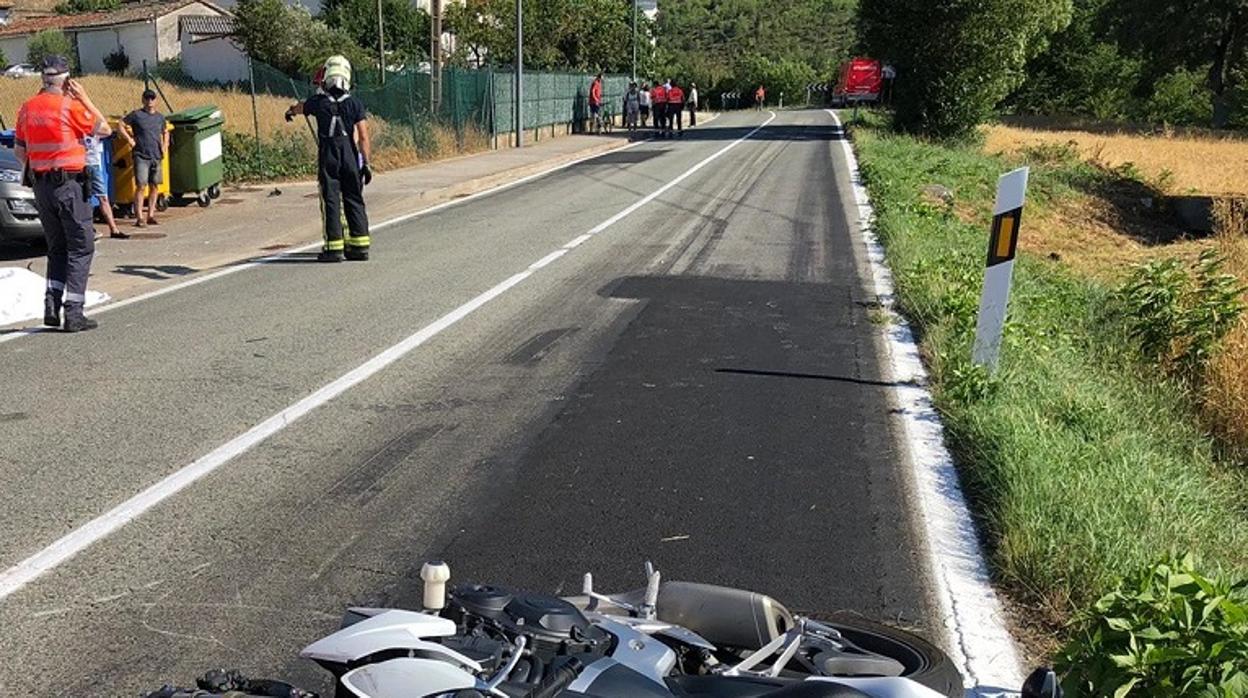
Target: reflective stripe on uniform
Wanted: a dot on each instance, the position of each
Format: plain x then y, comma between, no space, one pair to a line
358,241
50,141
54,285
334,245
75,298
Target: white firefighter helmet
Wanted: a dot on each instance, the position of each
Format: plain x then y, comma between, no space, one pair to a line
337,73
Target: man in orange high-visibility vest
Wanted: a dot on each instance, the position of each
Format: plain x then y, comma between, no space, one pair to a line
49,137
658,96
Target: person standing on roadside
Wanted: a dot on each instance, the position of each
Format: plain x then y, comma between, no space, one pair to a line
49,137
645,104
675,108
342,155
760,97
99,190
632,107
693,104
595,102
659,97
148,135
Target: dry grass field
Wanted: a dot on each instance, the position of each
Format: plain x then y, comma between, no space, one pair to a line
117,96
1091,234
1198,164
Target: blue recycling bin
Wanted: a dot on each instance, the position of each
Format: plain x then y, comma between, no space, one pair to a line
105,171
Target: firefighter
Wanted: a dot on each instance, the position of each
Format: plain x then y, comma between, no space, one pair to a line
51,127
342,155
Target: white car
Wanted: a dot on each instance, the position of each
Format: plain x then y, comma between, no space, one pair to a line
20,70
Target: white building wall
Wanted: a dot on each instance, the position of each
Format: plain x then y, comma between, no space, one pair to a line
215,60
139,41
14,48
169,44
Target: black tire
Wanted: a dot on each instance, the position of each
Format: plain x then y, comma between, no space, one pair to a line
214,192
925,663
203,200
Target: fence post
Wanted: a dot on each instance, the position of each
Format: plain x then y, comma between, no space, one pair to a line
149,80
255,112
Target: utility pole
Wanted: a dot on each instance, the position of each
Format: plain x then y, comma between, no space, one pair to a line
634,40
519,73
435,56
381,45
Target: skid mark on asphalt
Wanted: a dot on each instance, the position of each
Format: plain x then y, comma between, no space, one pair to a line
69,545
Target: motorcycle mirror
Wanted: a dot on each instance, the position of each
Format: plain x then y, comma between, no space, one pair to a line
1042,683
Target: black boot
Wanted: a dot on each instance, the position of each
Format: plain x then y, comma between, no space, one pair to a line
357,254
51,310
75,321
327,256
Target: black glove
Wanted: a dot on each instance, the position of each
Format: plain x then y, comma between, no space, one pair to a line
366,174
290,115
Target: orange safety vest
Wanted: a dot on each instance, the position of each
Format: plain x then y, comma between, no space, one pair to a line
675,95
51,128
659,95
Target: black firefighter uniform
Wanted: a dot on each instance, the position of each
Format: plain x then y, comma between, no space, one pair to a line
339,172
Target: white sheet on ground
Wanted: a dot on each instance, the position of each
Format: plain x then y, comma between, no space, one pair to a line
21,295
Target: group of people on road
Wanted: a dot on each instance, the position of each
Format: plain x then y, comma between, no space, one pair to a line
665,102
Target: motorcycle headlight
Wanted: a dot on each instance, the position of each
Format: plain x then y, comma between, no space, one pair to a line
10,176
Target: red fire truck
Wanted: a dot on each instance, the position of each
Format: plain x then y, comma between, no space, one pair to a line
861,80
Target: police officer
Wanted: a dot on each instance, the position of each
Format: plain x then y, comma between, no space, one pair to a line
50,130
342,155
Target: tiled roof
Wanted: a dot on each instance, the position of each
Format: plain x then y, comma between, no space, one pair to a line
206,25
128,13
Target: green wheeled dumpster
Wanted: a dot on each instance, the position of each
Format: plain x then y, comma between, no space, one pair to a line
195,165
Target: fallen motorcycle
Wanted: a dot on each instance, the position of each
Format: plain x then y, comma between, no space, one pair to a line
666,640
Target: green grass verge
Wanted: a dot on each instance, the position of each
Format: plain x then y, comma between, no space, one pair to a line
1081,462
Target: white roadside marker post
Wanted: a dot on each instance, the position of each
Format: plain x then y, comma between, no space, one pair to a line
1002,246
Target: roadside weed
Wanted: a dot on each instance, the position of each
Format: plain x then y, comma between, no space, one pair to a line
1166,631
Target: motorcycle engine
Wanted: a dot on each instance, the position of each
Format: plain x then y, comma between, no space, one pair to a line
551,626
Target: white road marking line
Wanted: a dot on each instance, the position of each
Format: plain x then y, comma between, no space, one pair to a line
978,639
74,542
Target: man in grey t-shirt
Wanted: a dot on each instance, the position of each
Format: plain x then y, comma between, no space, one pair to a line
145,130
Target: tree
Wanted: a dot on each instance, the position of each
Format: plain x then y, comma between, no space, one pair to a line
406,28
724,45
956,59
117,62
1206,35
50,42
583,35
74,7
289,39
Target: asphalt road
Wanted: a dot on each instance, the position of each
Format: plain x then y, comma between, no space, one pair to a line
698,384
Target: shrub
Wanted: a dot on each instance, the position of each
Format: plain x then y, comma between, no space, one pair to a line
284,156
1166,631
50,42
1182,97
117,62
1180,317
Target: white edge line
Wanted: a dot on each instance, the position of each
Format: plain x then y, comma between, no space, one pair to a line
978,638
18,333
74,542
